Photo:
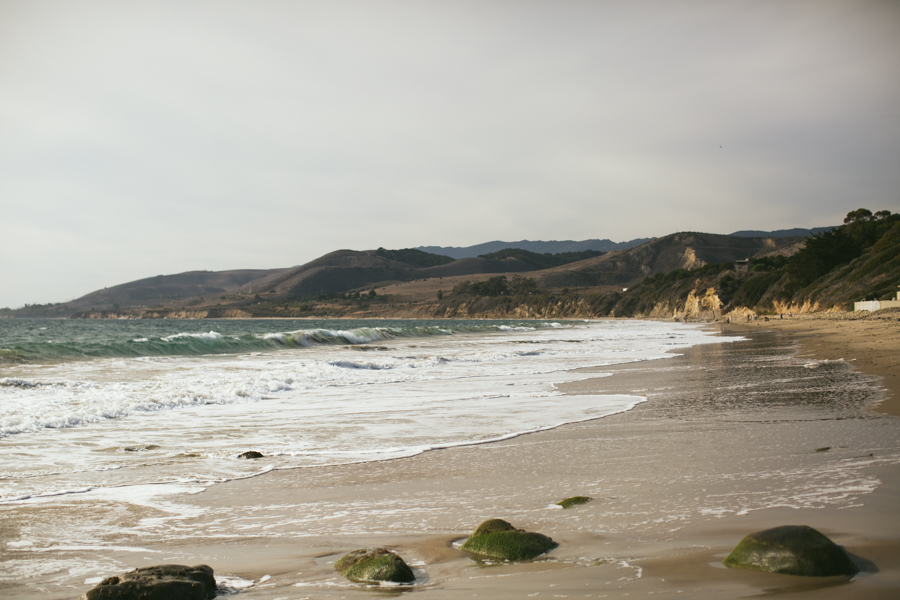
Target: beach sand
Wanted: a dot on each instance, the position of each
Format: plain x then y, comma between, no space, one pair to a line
729,441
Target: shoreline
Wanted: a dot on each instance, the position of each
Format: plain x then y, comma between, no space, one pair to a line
643,533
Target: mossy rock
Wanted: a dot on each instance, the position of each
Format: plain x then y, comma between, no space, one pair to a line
373,566
791,550
574,501
163,582
492,526
495,538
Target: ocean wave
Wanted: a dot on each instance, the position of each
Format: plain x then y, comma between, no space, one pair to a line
311,337
84,341
206,337
11,356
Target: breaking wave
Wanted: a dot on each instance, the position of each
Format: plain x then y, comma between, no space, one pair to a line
137,339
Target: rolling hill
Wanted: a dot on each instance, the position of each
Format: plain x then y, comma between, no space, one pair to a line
411,282
677,251
150,291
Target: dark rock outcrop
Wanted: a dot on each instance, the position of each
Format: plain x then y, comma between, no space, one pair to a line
373,566
251,454
792,550
163,582
495,538
574,501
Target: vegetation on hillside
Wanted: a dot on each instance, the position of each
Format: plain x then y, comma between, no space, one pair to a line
414,257
859,260
497,286
856,261
542,261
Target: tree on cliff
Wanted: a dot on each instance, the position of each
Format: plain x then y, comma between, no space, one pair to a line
829,249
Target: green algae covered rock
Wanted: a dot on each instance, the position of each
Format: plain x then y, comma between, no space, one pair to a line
574,501
791,550
163,582
373,566
495,538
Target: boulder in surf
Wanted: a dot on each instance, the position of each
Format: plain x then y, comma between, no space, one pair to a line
374,566
791,550
162,582
496,538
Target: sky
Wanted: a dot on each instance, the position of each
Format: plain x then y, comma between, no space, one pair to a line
145,138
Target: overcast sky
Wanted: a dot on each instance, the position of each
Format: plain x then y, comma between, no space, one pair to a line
139,138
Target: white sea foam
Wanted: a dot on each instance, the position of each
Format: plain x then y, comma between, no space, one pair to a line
349,364
232,585
212,335
122,422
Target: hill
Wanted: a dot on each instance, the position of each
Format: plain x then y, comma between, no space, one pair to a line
797,232
859,260
680,275
687,250
538,247
151,291
347,270
542,261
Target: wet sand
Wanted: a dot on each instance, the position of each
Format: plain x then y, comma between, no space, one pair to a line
730,441
871,341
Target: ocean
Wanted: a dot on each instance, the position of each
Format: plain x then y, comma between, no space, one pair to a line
88,405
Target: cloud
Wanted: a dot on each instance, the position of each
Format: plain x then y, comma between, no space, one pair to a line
216,135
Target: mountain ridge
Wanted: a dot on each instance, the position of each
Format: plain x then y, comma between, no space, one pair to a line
604,245
540,247
796,232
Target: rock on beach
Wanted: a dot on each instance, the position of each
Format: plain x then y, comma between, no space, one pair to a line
374,566
574,501
792,550
162,582
495,538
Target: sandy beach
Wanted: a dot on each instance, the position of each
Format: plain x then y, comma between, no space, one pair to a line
732,439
